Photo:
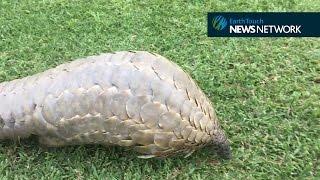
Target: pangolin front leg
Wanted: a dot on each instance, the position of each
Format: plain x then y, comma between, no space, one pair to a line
135,99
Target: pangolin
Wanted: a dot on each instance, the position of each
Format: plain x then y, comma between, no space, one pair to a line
134,99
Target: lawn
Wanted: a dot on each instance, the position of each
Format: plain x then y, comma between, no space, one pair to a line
266,91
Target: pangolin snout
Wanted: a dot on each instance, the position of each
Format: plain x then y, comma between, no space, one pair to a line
221,146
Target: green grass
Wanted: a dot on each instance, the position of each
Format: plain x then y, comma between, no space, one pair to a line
266,91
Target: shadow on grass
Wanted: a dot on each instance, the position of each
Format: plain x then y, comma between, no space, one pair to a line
98,155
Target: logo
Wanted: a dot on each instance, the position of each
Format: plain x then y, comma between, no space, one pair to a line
263,24
219,22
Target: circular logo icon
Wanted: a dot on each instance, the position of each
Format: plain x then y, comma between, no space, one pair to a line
219,23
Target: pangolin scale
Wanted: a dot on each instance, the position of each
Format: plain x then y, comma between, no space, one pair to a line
133,99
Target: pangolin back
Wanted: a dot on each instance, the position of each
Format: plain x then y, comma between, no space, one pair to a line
134,99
